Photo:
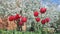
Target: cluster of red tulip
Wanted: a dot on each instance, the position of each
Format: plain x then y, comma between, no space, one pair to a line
24,19
43,21
16,17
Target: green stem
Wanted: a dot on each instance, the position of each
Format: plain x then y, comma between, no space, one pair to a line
46,32
13,31
22,32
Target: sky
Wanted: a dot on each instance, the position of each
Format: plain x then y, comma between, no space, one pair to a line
57,2
52,1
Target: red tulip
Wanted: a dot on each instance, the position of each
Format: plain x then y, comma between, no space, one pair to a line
17,16
21,23
37,19
11,18
43,21
47,19
24,19
42,10
36,13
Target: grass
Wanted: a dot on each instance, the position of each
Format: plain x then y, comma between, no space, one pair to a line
18,32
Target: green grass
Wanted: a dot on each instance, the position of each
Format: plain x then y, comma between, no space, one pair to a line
18,32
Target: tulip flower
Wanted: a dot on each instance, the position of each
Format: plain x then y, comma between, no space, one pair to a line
37,19
42,10
47,19
17,16
21,23
24,19
11,18
43,21
36,13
